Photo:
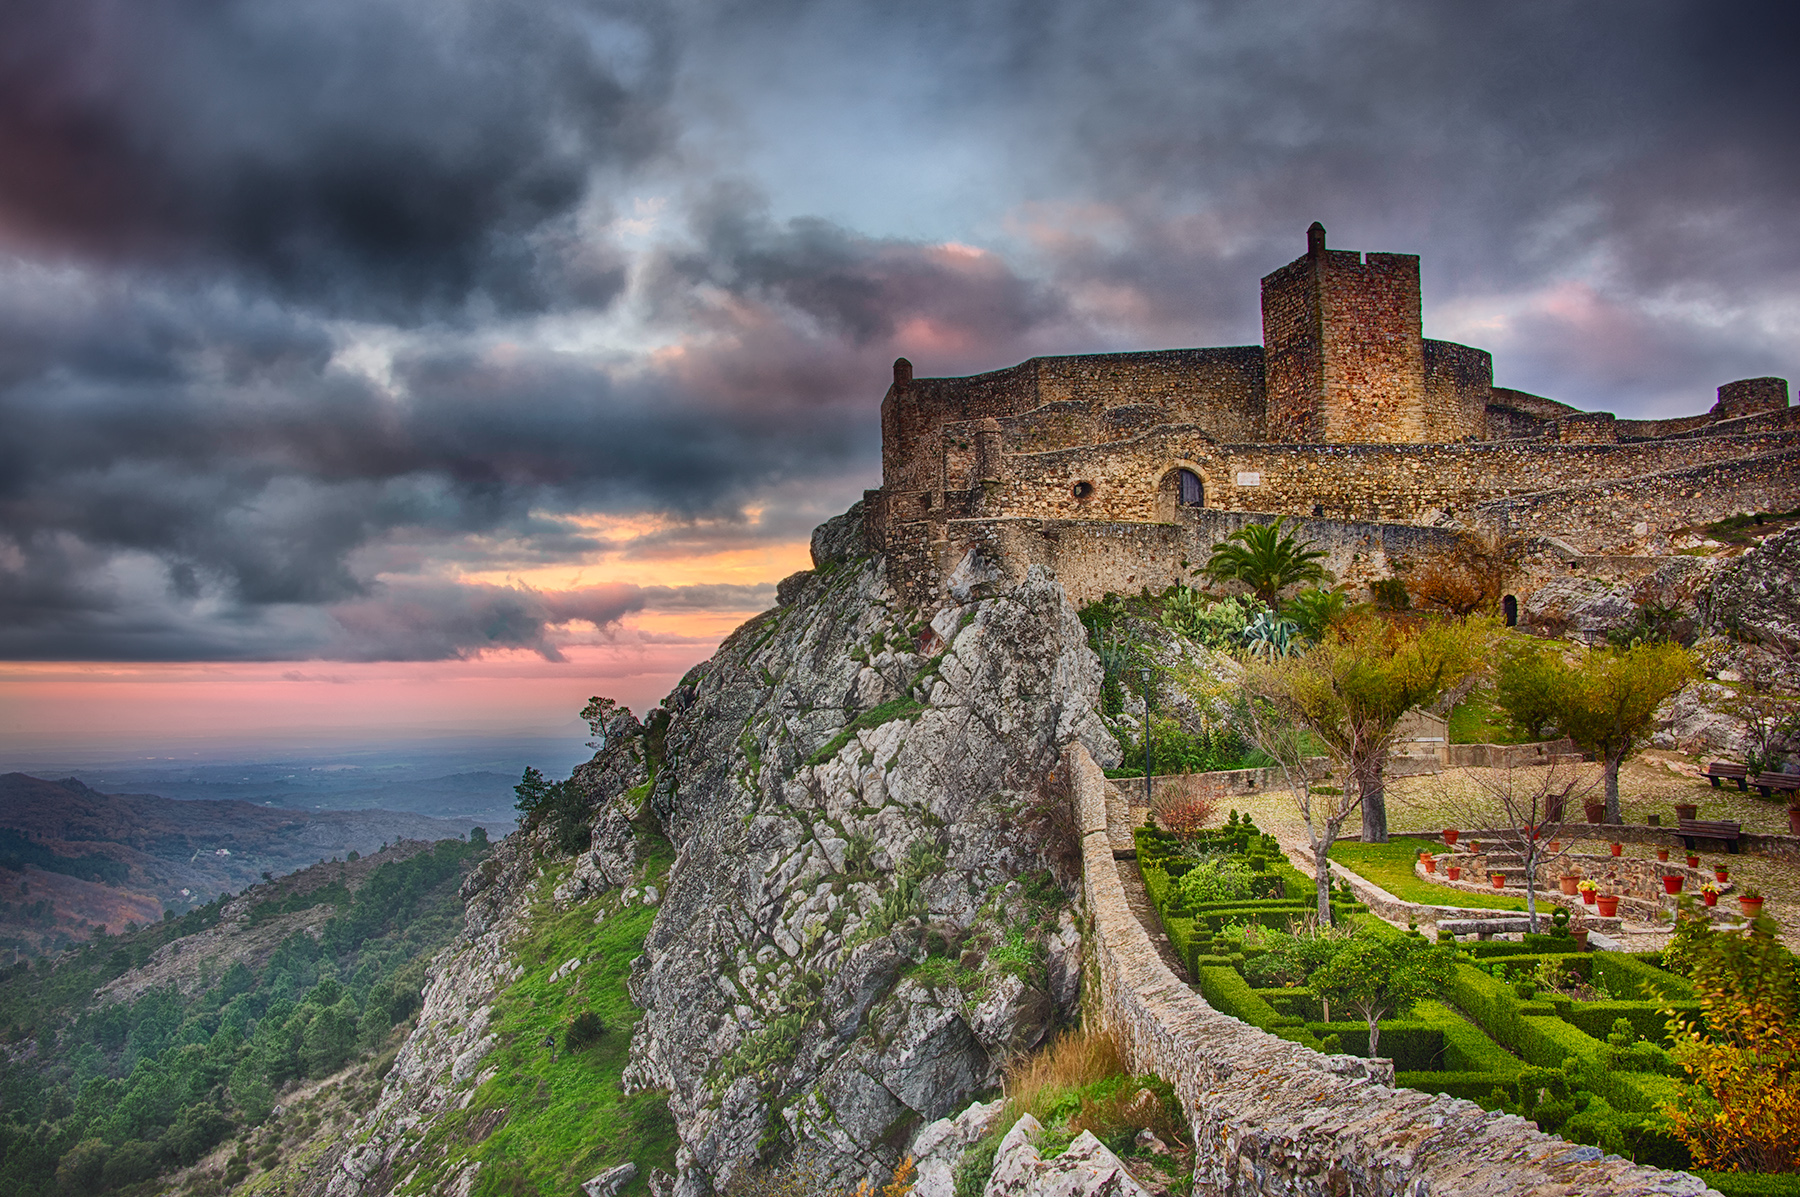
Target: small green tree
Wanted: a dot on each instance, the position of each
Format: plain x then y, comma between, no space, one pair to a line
1382,975
1352,688
1606,700
1530,680
598,713
1266,560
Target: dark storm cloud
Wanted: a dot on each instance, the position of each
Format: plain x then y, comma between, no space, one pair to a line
858,288
383,158
211,206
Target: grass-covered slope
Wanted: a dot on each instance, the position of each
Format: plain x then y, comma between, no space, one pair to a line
553,1113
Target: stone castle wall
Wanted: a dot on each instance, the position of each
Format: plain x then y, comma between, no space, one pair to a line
1273,1117
1346,413
1126,479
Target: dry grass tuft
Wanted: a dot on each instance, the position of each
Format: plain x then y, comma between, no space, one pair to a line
1073,1060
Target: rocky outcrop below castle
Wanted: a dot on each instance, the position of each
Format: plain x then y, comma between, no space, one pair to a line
868,913
869,910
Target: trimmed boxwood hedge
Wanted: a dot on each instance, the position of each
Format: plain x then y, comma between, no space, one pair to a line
1413,1046
1477,1087
1752,1184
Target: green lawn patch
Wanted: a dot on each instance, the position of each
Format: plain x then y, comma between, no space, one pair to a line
555,1115
1390,866
1478,720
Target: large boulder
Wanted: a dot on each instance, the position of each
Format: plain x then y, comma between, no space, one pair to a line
1085,1169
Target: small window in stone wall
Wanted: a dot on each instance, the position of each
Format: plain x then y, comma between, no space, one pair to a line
1193,494
1082,490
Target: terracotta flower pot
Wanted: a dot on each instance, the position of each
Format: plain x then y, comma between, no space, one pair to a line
1609,905
1455,872
1662,854
1569,882
1672,883
1588,896
1721,874
1618,849
1707,899
1498,879
1752,907
1430,864
1555,846
1686,810
1580,935
1595,812
1450,834
1693,862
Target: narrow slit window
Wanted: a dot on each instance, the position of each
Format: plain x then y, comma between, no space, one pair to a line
1192,493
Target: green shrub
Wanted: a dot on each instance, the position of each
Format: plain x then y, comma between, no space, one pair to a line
1217,879
583,1031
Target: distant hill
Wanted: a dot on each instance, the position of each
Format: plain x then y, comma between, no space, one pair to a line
72,857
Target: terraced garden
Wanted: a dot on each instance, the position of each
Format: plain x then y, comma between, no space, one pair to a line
1575,1041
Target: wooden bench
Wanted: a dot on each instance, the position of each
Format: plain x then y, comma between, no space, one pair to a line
1696,829
1727,771
1768,783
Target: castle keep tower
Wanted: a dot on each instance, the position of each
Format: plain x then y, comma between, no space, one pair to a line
1343,347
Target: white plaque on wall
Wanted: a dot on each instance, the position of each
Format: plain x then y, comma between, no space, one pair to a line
1249,478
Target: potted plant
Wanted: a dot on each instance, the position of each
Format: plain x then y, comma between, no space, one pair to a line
1430,863
1474,847
1609,905
1662,854
1709,894
1616,848
1693,860
1751,903
1587,890
1578,929
1721,874
1672,883
1555,847
1498,879
1568,881
1687,810
1455,872
1449,837
1595,811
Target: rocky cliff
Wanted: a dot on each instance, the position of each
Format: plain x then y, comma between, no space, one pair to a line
868,908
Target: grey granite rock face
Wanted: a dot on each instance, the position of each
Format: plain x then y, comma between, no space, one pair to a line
1756,599
852,819
939,1146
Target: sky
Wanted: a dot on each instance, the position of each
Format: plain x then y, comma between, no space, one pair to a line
380,367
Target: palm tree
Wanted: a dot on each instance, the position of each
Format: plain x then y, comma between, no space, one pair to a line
1262,558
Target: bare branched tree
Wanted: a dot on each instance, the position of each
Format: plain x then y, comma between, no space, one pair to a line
1325,812
1523,808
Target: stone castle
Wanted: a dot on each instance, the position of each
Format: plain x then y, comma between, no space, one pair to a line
1121,470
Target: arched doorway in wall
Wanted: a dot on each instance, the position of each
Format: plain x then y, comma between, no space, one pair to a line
1510,605
1180,486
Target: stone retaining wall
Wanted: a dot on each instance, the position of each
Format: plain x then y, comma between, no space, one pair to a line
1272,1117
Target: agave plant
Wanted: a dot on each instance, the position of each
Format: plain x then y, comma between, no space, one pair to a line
1268,635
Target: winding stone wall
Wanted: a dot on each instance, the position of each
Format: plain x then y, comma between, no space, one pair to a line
1272,1117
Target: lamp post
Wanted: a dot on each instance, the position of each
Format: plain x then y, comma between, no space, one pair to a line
1148,794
